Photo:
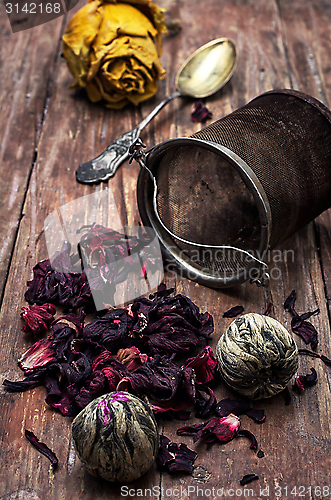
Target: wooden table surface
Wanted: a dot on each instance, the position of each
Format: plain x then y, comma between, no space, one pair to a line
47,130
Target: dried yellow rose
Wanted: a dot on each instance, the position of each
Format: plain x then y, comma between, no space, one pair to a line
113,50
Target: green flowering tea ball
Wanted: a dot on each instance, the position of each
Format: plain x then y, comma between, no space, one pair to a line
257,356
116,437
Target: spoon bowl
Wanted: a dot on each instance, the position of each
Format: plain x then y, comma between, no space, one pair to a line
208,69
205,72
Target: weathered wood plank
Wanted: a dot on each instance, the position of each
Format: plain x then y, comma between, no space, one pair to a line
263,64
307,49
27,63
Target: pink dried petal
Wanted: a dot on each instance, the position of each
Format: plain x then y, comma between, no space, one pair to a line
36,356
37,318
299,383
204,365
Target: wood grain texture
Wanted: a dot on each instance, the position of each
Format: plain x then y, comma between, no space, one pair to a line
281,45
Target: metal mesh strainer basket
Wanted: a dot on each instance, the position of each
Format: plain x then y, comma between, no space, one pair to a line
240,186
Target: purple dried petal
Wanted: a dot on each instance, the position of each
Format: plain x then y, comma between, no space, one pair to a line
110,330
184,458
175,457
158,378
205,400
248,478
290,301
204,365
233,312
200,112
257,415
250,436
313,354
227,406
36,356
43,448
173,408
30,381
299,324
37,318
174,324
305,330
189,382
311,378
56,283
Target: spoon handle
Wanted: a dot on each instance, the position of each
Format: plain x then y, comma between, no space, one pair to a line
105,164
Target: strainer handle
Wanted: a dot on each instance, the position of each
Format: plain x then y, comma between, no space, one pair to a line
104,166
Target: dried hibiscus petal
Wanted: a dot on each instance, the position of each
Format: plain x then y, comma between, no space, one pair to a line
55,282
36,356
43,448
299,324
204,365
173,324
177,407
306,331
110,330
205,400
286,395
221,429
250,436
248,478
303,381
233,312
290,301
158,378
37,318
257,415
200,112
175,457
131,358
226,406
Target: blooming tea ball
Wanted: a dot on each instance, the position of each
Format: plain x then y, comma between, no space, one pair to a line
257,356
116,437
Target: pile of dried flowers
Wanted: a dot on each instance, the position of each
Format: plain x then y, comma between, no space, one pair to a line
136,349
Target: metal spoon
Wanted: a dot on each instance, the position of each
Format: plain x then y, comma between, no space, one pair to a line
202,74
